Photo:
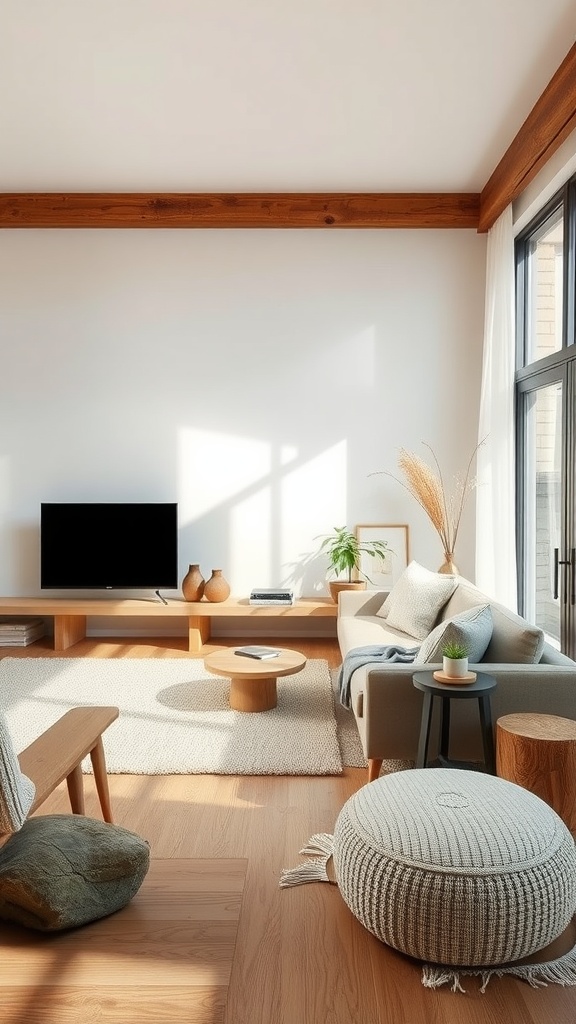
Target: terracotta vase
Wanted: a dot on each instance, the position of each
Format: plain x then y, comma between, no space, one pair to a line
193,584
448,565
216,588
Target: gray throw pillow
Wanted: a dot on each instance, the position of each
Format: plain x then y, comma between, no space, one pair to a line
472,628
417,599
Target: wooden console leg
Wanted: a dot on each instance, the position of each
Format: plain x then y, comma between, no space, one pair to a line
101,779
198,632
75,783
68,630
374,766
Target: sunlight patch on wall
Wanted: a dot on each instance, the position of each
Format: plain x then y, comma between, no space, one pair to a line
313,501
216,467
251,540
262,508
288,452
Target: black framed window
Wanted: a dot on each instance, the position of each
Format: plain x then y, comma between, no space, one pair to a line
545,391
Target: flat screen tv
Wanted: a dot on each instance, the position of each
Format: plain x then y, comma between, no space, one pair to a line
107,546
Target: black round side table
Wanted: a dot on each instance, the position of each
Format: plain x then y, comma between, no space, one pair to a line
478,690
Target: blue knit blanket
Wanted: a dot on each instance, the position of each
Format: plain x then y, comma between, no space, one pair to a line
368,655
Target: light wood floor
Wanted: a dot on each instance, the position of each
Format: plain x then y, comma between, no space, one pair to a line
300,956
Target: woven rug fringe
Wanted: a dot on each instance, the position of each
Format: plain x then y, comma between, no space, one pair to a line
321,847
555,972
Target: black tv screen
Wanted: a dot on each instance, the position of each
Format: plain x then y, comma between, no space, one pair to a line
115,545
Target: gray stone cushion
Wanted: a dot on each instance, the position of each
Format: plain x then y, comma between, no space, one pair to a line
455,867
64,870
473,629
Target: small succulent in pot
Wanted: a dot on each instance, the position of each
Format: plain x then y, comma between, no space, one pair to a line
454,651
455,660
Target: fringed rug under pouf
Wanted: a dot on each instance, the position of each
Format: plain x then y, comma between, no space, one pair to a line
464,871
174,716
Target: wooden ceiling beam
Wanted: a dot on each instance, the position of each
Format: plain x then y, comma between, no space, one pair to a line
548,125
242,210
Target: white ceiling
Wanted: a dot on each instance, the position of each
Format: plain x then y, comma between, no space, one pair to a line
269,95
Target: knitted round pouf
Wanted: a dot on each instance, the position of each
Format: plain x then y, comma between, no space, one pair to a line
455,867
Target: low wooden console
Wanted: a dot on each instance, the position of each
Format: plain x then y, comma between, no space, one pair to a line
70,616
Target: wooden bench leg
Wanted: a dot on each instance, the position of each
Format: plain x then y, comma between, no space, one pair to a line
101,779
374,766
75,784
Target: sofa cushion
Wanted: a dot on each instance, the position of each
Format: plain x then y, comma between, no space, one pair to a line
472,628
415,601
513,640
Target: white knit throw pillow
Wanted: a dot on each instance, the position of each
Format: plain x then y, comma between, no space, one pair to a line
417,599
16,789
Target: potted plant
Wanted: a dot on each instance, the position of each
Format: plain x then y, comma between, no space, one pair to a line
455,660
344,550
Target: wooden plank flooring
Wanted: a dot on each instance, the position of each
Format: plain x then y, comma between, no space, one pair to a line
300,957
166,954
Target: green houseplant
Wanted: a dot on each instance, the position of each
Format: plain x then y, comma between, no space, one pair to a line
455,660
344,551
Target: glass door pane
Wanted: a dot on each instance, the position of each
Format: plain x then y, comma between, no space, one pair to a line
545,269
542,526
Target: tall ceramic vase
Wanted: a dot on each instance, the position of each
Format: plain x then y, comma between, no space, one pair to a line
216,588
193,584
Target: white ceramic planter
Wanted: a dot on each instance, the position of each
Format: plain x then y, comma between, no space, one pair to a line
455,667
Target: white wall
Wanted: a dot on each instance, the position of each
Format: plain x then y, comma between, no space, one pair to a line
256,377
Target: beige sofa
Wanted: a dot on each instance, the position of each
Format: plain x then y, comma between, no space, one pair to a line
387,706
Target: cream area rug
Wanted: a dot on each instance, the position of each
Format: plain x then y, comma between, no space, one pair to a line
174,716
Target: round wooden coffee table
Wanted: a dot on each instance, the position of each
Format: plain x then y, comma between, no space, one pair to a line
253,682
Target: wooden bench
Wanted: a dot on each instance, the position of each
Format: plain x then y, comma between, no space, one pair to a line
58,754
70,614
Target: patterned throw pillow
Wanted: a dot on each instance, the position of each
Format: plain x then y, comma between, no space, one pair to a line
17,791
416,600
473,628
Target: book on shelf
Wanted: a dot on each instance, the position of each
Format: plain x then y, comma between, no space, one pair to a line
8,624
260,653
271,595
22,640
20,632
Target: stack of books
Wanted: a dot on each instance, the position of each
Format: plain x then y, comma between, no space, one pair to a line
272,595
20,632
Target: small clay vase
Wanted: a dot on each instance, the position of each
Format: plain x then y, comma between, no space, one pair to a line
193,584
216,588
448,567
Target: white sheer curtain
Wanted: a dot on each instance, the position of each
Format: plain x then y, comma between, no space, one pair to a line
495,497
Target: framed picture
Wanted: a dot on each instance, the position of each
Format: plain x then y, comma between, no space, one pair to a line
383,572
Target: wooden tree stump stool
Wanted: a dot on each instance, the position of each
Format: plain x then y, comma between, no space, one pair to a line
538,752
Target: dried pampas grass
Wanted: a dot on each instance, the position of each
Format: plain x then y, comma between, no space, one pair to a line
444,509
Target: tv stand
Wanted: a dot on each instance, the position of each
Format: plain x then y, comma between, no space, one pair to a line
70,615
